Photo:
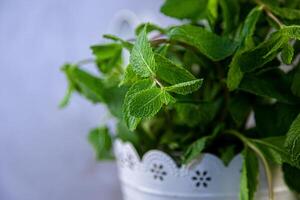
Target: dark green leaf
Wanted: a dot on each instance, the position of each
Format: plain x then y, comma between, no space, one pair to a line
239,108
268,86
230,10
296,83
101,141
285,13
291,177
235,74
208,43
274,120
292,143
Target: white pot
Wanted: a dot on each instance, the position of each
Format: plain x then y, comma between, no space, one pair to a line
157,177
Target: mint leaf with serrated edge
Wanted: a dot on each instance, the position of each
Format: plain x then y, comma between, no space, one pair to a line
142,56
185,87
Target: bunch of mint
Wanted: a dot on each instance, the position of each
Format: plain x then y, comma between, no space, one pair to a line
192,88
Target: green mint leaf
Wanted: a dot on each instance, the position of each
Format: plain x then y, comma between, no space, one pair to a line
273,150
146,103
166,98
230,10
171,73
130,120
287,54
239,108
296,83
292,143
268,50
291,177
150,27
193,114
185,87
108,56
249,26
101,141
263,53
187,9
235,74
268,86
249,176
274,120
285,13
130,76
195,149
213,46
124,43
212,12
88,85
142,57
65,101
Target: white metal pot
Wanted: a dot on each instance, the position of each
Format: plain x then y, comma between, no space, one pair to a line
157,177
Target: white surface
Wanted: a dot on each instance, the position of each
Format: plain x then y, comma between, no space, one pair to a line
43,151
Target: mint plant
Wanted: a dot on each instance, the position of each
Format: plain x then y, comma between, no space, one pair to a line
192,88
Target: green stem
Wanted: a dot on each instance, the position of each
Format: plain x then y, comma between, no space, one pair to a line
262,158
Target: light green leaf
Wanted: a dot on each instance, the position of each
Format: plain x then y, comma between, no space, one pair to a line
212,12
171,73
249,176
108,56
185,87
213,46
124,43
132,121
190,9
130,76
142,57
146,103
292,143
150,27
166,98
287,54
101,141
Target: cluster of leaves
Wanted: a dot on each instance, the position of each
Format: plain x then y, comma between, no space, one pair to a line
194,87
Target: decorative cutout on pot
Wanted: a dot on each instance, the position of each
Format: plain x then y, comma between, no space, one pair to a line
156,176
201,179
158,172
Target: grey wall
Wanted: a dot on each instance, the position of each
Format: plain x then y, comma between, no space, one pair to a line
43,150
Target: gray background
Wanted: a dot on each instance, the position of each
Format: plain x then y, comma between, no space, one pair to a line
44,154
